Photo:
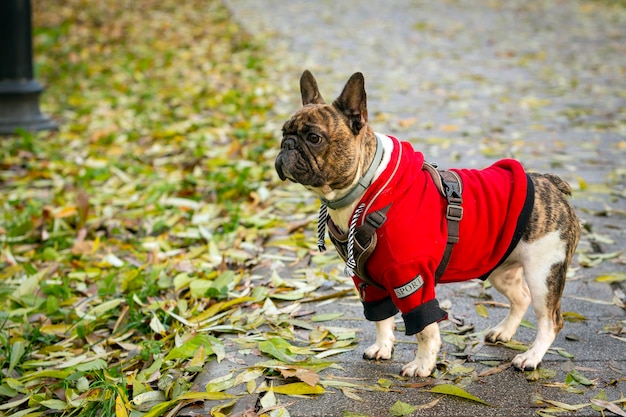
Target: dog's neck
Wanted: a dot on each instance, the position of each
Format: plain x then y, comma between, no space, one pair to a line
341,216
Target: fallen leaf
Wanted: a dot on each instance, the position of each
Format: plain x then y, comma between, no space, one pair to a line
400,409
453,390
298,388
576,377
608,406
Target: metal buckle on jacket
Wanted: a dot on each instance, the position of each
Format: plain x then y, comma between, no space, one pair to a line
454,212
376,219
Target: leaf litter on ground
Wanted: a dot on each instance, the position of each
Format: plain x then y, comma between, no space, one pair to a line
128,237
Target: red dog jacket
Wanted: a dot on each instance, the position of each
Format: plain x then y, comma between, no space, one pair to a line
497,202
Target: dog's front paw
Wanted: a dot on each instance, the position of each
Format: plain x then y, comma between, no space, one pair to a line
428,345
527,361
418,367
380,351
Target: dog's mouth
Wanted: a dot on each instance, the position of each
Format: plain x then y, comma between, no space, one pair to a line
290,165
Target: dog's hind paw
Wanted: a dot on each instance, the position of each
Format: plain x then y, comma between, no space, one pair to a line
376,352
498,335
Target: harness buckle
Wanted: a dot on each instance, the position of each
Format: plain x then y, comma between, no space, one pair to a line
376,218
454,212
453,189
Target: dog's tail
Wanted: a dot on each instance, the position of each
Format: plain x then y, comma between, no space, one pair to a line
559,183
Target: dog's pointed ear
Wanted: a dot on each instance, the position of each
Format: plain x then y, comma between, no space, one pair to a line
308,89
353,102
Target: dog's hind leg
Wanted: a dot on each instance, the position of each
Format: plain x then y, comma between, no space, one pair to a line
509,281
545,266
545,252
383,347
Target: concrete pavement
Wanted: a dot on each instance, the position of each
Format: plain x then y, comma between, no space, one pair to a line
468,82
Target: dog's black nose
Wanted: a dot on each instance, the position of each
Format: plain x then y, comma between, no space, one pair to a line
288,143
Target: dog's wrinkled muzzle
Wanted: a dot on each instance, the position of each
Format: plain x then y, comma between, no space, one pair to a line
278,165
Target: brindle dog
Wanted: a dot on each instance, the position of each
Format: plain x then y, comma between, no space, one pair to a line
328,149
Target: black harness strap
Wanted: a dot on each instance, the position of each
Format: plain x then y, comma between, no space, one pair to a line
365,241
454,213
449,185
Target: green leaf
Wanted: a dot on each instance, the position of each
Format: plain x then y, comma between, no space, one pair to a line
277,348
400,409
54,404
602,397
575,377
385,383
540,374
449,389
102,308
563,352
515,345
199,287
188,349
326,317
17,351
458,369
92,365
159,409
298,388
46,373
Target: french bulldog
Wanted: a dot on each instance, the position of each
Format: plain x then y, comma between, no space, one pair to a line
401,232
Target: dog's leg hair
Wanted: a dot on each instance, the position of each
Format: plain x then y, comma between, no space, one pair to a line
545,265
545,251
510,283
383,347
428,346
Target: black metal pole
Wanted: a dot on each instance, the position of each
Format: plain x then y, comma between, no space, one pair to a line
19,91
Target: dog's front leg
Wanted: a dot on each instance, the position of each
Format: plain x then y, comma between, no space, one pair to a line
428,345
383,347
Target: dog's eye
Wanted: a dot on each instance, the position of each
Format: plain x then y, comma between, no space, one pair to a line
314,138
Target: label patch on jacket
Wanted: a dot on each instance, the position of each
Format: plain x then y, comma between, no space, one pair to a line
409,288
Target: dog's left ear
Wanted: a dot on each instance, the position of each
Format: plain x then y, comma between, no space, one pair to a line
353,102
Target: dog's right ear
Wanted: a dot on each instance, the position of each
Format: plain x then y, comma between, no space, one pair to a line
309,90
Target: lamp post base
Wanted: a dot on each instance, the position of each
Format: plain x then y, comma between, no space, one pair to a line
19,107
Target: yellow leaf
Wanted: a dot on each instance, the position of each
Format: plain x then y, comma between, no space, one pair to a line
298,388
482,311
198,360
612,278
65,212
120,408
573,317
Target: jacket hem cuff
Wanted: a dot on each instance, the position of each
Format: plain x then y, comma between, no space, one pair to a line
421,316
379,310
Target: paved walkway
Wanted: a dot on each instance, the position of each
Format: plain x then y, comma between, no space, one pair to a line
467,82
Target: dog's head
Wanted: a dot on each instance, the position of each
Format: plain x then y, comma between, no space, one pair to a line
325,146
